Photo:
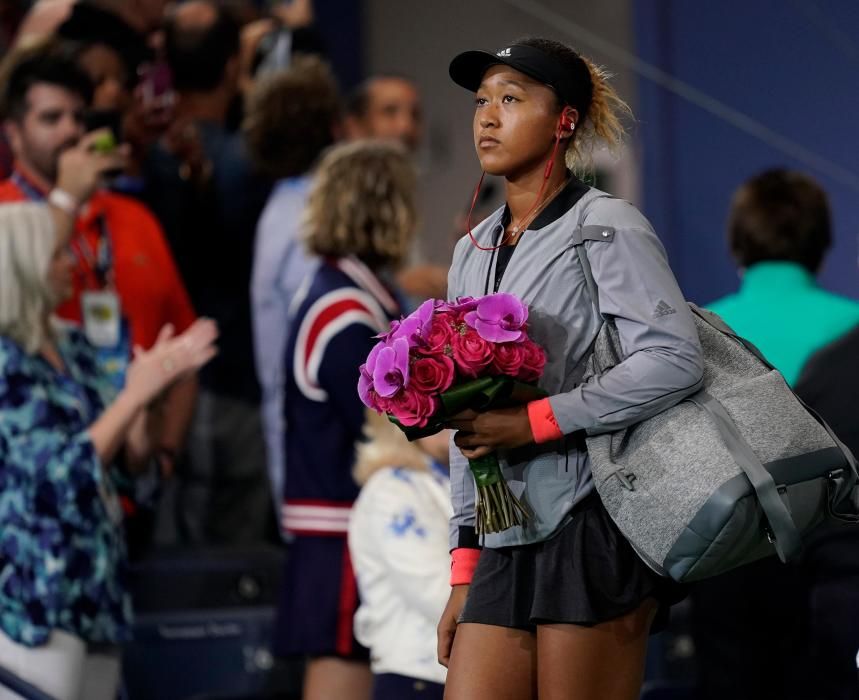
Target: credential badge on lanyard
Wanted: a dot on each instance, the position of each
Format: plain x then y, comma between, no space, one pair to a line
100,309
102,318
104,324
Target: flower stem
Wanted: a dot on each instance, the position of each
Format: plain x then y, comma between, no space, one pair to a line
498,509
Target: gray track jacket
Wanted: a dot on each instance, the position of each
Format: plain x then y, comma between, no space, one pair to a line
662,365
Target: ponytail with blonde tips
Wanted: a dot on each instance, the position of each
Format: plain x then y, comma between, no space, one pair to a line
601,110
601,126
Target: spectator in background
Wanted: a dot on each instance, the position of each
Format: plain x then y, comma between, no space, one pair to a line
122,259
123,96
779,230
119,28
105,69
108,74
124,25
361,216
292,116
389,107
201,186
117,106
269,43
398,540
64,607
385,107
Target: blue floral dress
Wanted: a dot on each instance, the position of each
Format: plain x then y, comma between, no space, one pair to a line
62,553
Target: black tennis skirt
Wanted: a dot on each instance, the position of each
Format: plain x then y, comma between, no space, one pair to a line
585,574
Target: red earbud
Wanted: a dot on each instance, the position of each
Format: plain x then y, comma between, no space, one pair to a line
565,121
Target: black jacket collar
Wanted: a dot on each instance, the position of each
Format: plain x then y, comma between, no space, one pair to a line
560,205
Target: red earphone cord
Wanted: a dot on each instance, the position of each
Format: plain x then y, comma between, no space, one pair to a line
546,173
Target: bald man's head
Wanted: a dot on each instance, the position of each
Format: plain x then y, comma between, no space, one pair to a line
201,41
386,106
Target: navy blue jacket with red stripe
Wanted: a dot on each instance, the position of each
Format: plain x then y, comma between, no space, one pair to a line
334,318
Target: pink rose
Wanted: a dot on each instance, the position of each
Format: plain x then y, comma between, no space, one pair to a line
439,335
471,353
432,374
533,362
457,318
508,359
413,408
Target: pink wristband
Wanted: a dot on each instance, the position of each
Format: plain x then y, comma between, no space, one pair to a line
463,562
544,426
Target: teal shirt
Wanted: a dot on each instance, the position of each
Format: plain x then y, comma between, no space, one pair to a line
780,309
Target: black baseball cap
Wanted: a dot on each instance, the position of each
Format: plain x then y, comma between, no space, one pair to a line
574,87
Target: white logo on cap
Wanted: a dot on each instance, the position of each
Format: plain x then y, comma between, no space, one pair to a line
503,52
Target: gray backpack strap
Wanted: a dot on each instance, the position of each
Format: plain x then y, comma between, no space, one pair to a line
581,234
590,233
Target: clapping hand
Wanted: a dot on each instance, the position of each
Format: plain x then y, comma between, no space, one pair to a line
169,359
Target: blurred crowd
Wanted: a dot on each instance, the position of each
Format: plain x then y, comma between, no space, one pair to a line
177,149
200,234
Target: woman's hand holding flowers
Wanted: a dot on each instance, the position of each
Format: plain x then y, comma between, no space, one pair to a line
480,434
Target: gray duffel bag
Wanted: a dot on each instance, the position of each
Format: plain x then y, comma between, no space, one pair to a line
738,471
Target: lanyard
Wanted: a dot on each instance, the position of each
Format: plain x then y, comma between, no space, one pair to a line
30,191
100,260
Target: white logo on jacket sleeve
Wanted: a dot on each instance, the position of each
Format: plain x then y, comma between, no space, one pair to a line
329,315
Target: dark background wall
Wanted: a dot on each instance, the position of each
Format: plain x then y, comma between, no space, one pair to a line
792,65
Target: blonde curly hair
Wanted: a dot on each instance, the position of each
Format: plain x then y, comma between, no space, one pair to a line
603,123
362,203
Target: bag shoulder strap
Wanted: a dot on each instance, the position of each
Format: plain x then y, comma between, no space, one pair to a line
782,531
583,233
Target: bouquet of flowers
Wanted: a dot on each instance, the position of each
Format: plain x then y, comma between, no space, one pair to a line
448,357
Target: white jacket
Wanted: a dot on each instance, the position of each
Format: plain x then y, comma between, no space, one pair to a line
398,542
